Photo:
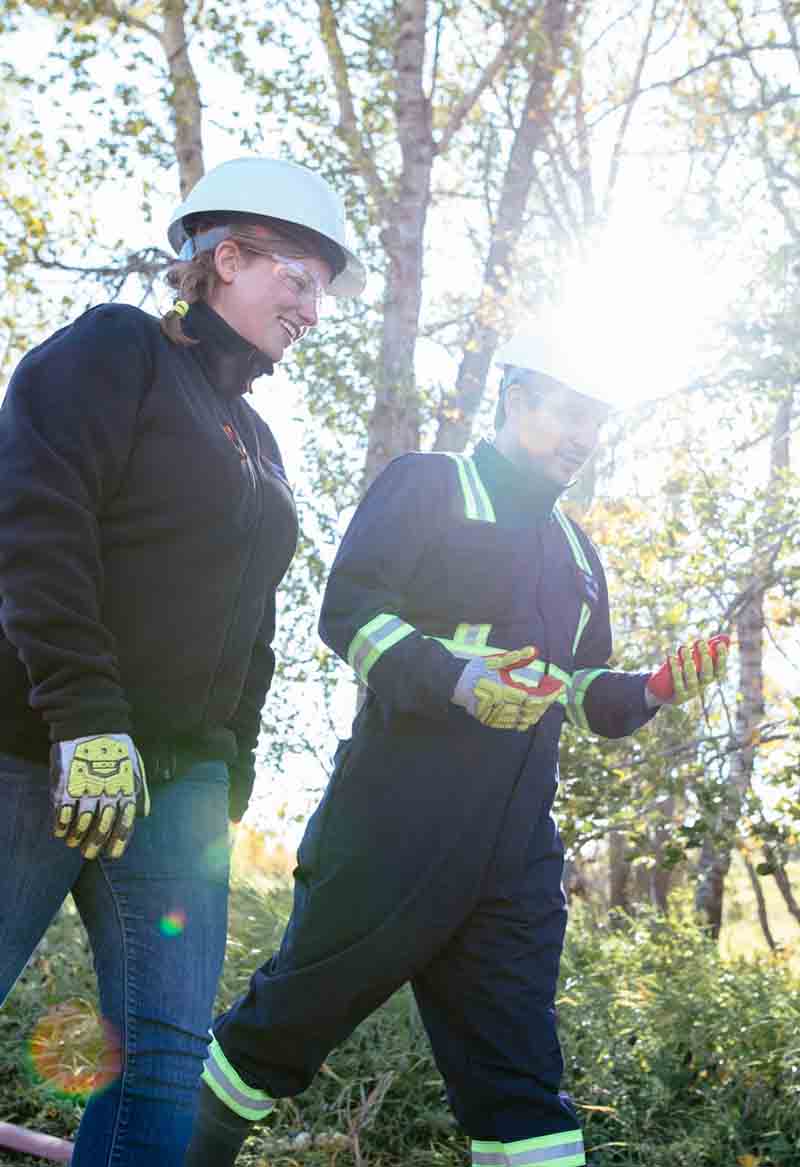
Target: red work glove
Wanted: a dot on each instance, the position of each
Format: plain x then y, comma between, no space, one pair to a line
685,675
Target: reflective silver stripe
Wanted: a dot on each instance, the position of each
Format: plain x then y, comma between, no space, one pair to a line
573,540
564,1150
563,1155
583,563
477,504
374,639
472,633
585,616
221,1078
581,680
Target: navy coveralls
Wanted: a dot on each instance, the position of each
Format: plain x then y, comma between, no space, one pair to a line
433,856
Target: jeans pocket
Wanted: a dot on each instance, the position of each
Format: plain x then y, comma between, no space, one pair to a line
14,769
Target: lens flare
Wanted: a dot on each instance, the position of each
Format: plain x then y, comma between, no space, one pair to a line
173,923
217,857
74,1051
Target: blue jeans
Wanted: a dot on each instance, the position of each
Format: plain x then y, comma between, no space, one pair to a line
157,922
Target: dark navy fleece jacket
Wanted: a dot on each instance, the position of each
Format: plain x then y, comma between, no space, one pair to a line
145,524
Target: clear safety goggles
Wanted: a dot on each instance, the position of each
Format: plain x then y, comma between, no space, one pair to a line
298,279
293,274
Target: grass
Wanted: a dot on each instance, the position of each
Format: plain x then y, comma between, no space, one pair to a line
677,1051
741,935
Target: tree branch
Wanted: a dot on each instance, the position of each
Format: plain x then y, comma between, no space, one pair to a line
347,128
469,100
619,140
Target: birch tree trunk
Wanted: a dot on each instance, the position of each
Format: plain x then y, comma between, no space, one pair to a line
394,423
459,409
715,856
186,108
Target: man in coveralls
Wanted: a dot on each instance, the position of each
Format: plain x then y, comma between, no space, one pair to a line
433,857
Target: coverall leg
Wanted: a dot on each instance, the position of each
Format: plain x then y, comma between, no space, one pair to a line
404,874
487,1000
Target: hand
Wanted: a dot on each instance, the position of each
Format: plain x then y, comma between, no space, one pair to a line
489,692
686,674
97,786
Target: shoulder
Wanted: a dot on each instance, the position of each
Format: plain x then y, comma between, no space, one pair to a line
102,334
110,348
413,483
420,469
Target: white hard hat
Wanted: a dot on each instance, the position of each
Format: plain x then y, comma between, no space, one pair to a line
278,190
561,362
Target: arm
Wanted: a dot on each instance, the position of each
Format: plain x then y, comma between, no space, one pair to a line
66,428
361,618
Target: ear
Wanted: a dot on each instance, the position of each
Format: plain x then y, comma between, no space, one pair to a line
512,400
227,260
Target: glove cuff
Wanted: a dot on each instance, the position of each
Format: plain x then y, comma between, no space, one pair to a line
464,694
650,699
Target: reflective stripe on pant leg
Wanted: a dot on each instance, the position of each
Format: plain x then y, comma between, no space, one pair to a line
561,1150
220,1077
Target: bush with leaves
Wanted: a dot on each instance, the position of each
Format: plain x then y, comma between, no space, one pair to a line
673,1054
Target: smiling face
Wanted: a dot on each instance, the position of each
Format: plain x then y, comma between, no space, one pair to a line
270,302
552,430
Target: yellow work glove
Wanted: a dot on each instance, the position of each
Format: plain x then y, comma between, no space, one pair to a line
489,692
97,787
688,672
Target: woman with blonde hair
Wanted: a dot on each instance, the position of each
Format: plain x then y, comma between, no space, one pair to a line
145,524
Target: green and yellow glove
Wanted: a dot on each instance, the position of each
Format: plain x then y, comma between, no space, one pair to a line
688,672
97,787
489,692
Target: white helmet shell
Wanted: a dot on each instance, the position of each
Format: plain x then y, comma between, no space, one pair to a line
276,189
540,355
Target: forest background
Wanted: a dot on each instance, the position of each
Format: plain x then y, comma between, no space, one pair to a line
628,168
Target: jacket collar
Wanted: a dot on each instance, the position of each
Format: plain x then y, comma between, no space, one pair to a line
229,361
536,492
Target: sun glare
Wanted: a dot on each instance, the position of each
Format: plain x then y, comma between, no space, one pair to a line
641,308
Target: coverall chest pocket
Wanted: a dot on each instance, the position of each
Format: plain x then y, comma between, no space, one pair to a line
469,574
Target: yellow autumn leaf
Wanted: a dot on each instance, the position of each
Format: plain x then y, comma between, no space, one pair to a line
748,1160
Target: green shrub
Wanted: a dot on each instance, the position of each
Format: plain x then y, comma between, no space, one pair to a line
674,1055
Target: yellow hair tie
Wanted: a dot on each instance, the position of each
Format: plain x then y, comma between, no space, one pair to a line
180,307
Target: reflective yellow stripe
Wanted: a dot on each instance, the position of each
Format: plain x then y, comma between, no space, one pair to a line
584,565
477,504
221,1078
586,612
373,640
472,633
560,1150
572,539
581,680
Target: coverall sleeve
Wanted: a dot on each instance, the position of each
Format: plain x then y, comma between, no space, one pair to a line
604,701
362,612
66,430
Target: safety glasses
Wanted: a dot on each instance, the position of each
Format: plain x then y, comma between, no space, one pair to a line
298,279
